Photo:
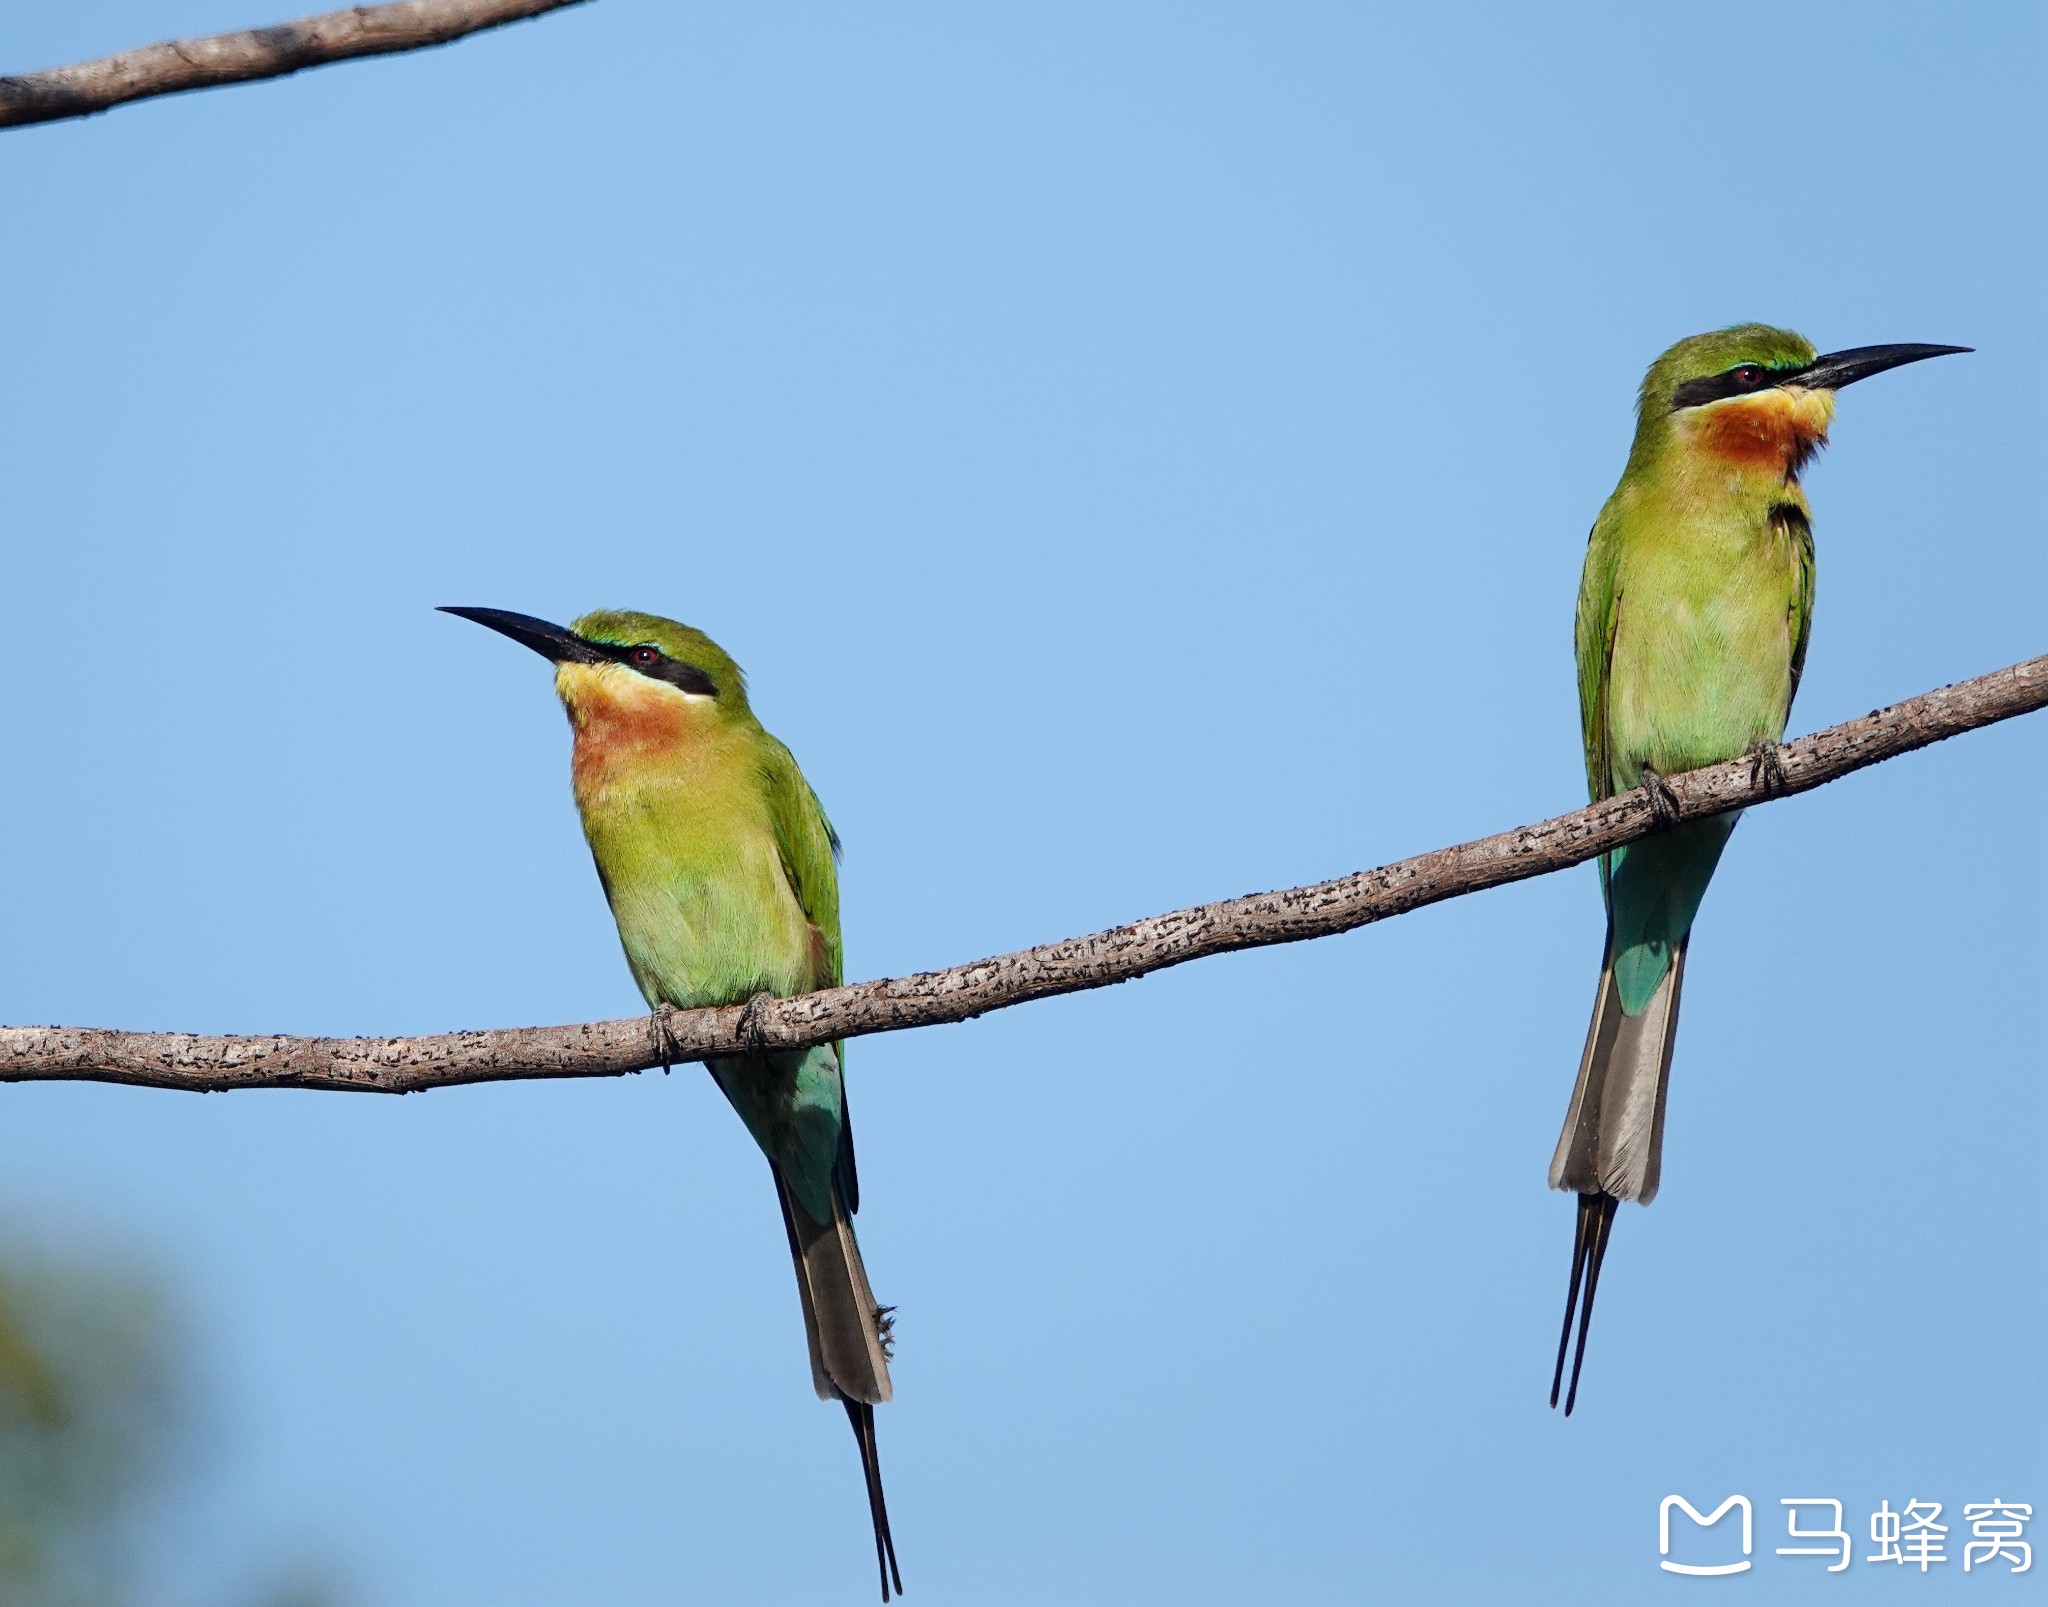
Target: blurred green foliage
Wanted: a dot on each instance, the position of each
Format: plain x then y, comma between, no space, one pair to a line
87,1395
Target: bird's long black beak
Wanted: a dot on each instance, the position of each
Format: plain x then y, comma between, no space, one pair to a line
1836,369
552,642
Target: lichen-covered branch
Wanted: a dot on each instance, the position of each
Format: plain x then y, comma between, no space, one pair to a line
609,1048
237,58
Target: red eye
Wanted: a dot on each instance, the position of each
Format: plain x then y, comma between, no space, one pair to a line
646,657
1749,374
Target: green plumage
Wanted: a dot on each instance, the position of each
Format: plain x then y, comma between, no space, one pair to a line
719,865
717,859
1693,617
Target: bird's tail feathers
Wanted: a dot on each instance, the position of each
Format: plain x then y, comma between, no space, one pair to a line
1612,1147
862,1416
848,1334
1613,1139
1589,1250
845,1327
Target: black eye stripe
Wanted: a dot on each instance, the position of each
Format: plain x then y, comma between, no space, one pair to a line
1744,379
684,677
687,677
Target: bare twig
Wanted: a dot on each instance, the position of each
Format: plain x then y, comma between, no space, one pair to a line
237,58
610,1048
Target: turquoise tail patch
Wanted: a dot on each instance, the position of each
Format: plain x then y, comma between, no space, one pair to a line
794,1105
1654,888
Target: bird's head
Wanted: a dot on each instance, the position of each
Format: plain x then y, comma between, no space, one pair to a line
1753,398
631,681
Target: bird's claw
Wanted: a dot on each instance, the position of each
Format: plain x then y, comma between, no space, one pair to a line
1766,769
1663,801
753,1030
665,1044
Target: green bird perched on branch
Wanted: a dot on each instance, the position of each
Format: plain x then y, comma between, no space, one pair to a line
1692,626
719,865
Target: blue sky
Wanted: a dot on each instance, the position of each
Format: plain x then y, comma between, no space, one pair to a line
1141,454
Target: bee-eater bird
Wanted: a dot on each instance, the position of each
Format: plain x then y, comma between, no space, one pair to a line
718,862
1692,629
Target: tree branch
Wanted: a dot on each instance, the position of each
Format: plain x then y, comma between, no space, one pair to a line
237,58
932,998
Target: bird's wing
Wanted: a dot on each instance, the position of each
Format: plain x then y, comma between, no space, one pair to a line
809,848
810,851
1801,607
1599,611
